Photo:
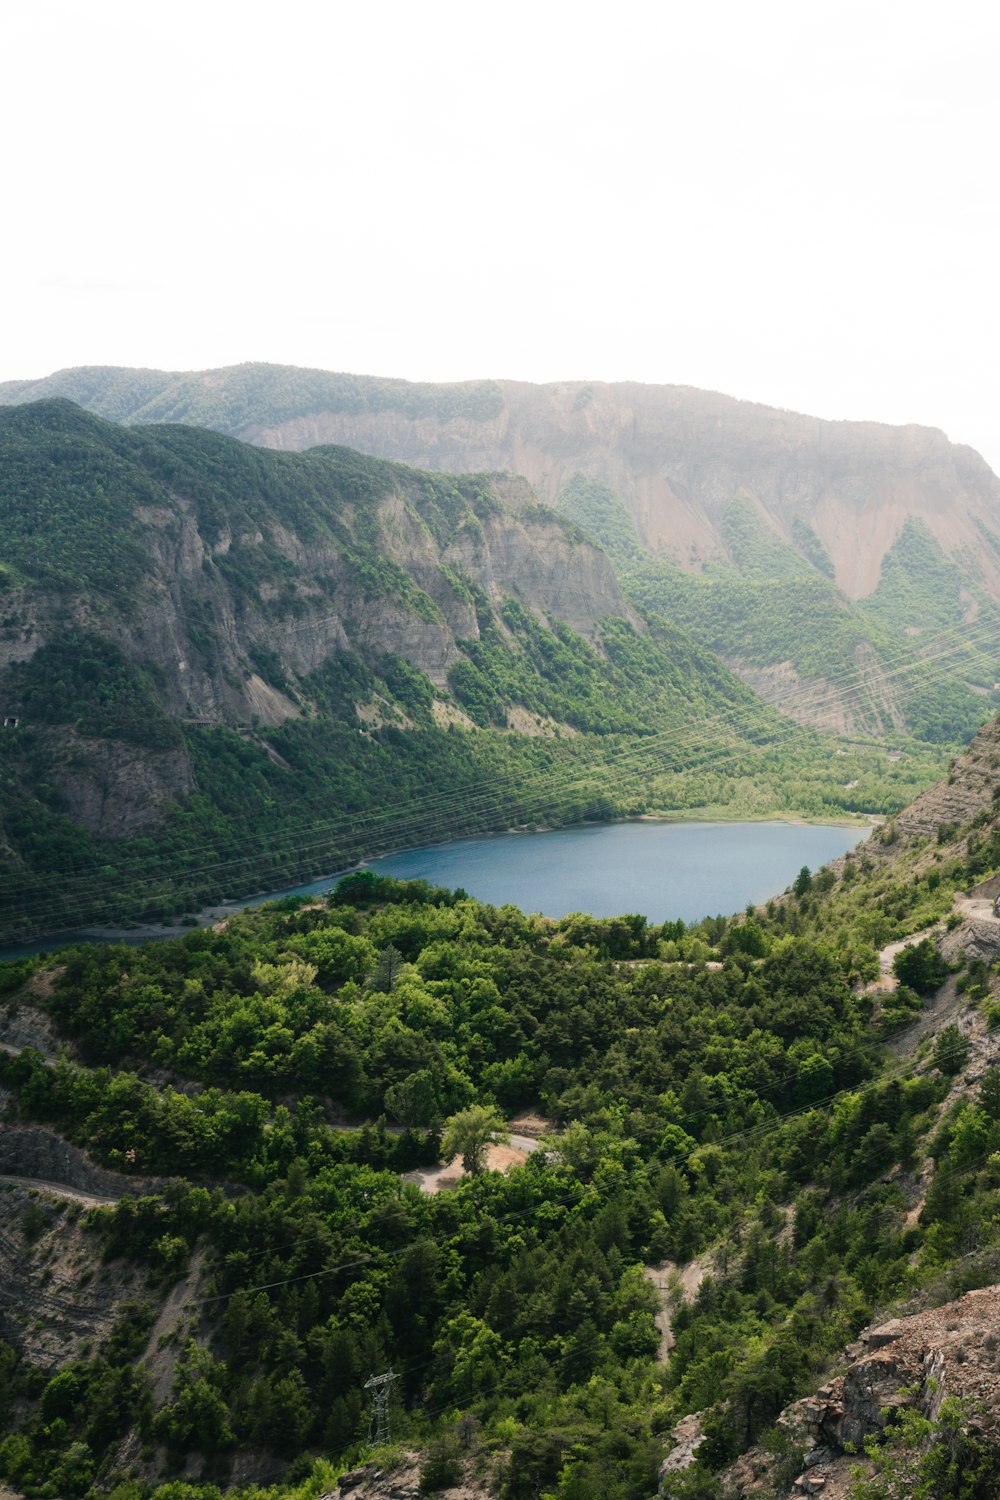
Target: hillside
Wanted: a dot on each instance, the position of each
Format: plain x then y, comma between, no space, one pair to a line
223,669
916,872
760,1188
675,456
800,549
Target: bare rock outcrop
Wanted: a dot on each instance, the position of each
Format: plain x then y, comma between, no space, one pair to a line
964,794
918,1361
25,1025
938,818
978,936
401,1481
54,1301
37,1153
820,704
117,789
687,1438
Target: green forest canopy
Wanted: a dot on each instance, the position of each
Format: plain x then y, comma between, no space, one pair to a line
720,1089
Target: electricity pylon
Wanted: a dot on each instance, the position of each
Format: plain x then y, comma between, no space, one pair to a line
381,1389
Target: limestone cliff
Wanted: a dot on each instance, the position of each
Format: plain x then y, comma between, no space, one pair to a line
872,552
675,455
678,456
150,581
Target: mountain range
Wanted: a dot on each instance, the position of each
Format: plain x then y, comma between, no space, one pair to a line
807,553
210,639
737,1149
230,666
675,456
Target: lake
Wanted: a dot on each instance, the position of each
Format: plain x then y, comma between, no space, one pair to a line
663,870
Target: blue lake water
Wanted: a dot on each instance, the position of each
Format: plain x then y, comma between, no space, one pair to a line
663,870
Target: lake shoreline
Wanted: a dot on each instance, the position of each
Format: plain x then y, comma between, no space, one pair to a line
792,820
223,911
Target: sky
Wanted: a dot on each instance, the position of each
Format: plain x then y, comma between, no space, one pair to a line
795,203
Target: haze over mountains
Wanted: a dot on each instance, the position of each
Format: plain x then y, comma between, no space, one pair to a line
760,522
676,456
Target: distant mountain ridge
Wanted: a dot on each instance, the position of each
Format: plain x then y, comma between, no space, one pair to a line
676,456
802,551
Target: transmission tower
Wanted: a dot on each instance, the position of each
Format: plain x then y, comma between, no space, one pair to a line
381,1389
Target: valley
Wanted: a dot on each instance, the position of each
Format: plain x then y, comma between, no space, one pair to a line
500,753
628,1204
813,1152
224,670
654,868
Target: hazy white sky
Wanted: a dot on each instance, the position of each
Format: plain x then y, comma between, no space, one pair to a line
791,201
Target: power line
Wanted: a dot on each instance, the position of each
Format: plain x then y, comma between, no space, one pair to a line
543,789
751,1135
732,720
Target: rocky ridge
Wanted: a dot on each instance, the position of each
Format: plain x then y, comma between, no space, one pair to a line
919,1361
937,822
675,456
401,1481
54,1301
234,607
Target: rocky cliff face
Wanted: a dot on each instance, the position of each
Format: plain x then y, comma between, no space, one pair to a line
938,821
243,584
314,603
919,1362
676,456
37,1153
116,790
706,482
55,1303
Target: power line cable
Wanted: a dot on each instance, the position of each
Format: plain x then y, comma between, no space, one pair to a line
749,1135
635,752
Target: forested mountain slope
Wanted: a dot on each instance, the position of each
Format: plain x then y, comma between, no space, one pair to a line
797,548
745,1100
916,871
676,456
222,668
